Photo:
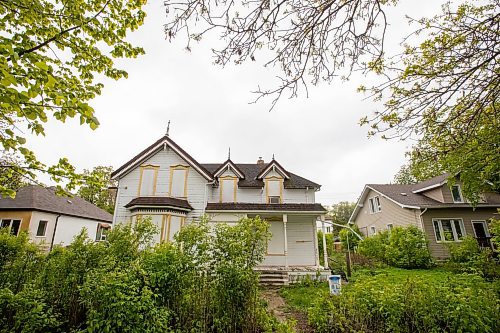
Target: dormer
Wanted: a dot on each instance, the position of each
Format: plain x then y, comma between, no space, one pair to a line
228,175
273,175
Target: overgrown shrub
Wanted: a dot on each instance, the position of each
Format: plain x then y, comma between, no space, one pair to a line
400,247
377,304
467,257
202,282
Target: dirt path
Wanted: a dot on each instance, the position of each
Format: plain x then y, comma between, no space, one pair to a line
278,307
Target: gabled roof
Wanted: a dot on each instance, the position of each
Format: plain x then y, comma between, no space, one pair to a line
258,207
273,165
229,164
432,183
411,196
251,170
159,144
34,197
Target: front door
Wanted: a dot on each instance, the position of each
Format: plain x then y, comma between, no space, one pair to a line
276,244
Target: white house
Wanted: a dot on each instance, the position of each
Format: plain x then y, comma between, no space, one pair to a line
165,182
51,219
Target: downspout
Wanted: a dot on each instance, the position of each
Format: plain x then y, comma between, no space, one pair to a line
421,219
54,233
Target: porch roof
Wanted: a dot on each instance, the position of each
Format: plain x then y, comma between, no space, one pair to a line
259,207
158,202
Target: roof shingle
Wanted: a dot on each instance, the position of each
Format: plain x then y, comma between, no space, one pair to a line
34,197
159,201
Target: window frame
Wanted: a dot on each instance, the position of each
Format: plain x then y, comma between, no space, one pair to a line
178,167
221,185
12,219
375,208
453,229
459,193
485,227
274,179
373,230
390,226
156,168
44,229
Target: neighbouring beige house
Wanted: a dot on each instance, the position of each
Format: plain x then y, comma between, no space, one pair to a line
442,212
51,219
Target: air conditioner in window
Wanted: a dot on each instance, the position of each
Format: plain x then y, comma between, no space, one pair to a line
274,200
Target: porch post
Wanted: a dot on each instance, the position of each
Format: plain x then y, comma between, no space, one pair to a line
285,220
315,240
325,252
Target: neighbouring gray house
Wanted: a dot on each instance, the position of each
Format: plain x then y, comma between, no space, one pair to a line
443,213
51,219
167,184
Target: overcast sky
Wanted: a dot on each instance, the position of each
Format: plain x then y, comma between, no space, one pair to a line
317,137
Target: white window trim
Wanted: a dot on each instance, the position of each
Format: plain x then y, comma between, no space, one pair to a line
441,232
485,227
459,192
390,224
373,230
12,219
45,231
376,208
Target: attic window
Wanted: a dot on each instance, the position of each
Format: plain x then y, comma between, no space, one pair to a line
375,206
456,194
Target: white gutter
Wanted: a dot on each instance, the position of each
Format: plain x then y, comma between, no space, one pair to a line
421,219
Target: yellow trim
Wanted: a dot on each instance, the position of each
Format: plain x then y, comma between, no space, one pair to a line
274,178
155,178
235,186
162,235
169,219
178,167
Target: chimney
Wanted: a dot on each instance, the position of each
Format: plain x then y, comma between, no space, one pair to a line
260,161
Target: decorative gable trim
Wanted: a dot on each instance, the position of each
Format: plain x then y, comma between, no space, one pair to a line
273,165
161,143
229,165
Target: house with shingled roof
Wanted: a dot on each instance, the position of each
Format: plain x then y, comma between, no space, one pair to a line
52,219
167,184
441,211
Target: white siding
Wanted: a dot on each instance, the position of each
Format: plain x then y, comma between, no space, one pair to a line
128,185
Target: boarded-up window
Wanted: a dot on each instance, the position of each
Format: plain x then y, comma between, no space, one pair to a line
228,188
172,226
274,191
276,244
148,179
178,183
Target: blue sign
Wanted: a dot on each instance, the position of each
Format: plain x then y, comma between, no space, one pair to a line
335,284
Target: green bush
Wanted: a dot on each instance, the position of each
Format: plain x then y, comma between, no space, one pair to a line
202,282
467,257
417,304
346,234
400,247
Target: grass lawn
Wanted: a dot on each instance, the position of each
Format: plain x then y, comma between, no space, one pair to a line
302,296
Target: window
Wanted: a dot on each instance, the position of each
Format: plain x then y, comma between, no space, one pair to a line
178,181
456,194
448,230
373,230
328,230
390,226
228,188
42,228
147,186
375,205
14,225
102,232
273,190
